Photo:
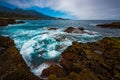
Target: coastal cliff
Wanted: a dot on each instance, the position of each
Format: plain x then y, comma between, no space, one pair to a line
12,65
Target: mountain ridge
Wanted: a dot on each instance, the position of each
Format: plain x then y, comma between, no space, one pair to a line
18,13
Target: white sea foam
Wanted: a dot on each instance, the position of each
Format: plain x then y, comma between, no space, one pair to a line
37,71
49,44
93,24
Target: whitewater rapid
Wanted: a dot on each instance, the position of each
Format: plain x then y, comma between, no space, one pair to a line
47,46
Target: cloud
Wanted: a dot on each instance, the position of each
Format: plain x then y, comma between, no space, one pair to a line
80,9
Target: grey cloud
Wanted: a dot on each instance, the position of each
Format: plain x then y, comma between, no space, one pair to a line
80,9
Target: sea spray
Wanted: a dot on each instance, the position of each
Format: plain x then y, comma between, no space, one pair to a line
49,44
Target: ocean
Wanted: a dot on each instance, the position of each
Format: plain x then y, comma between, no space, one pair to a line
38,45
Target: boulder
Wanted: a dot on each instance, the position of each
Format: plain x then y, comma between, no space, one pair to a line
69,29
74,30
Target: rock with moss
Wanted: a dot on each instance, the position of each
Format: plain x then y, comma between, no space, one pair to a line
12,65
101,57
92,61
54,69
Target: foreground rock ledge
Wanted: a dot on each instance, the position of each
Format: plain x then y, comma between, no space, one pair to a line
91,61
12,66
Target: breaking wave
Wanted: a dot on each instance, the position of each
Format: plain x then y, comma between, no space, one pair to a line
49,44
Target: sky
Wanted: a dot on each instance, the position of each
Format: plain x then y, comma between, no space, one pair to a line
72,9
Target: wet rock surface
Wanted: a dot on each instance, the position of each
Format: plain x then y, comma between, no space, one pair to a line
90,61
74,30
53,69
111,25
7,21
52,28
20,22
12,65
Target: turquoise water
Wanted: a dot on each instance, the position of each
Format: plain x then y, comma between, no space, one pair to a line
38,45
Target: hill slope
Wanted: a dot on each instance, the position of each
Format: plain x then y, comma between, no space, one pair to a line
23,14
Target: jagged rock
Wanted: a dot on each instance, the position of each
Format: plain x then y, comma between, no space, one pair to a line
6,21
53,69
92,61
74,30
111,25
12,65
69,29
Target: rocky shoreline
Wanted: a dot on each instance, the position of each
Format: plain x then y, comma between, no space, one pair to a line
90,61
111,25
12,65
7,21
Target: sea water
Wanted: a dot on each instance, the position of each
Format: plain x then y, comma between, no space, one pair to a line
40,46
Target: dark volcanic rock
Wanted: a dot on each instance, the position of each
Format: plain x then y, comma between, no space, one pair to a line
53,69
74,30
112,25
12,65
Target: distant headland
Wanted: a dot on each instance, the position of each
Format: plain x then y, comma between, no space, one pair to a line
21,14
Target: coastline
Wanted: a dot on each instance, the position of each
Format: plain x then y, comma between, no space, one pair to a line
12,65
93,61
7,21
115,25
90,61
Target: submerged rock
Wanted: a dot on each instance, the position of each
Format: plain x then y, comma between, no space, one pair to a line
12,65
90,61
111,25
52,28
